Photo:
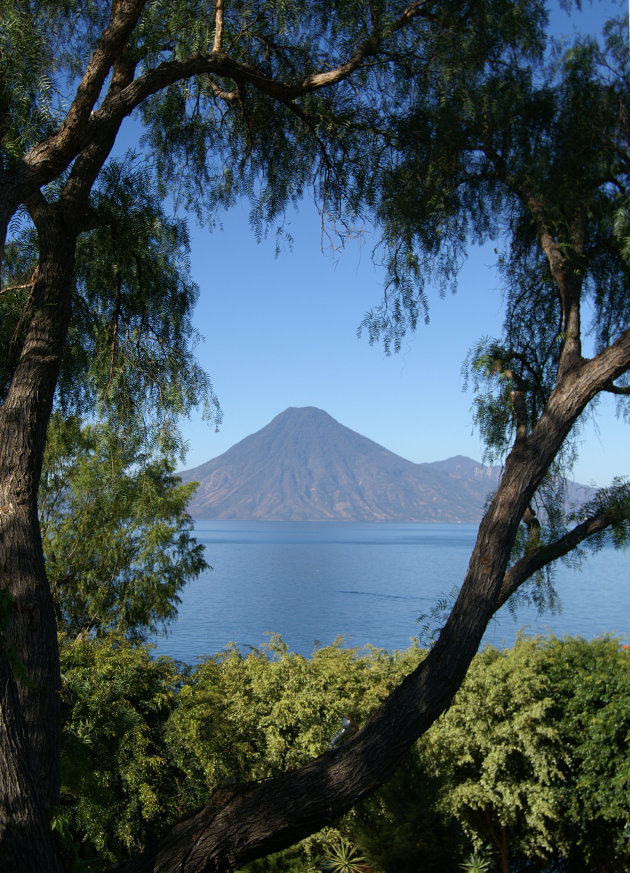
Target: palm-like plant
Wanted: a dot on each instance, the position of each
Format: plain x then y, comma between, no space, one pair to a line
344,857
475,863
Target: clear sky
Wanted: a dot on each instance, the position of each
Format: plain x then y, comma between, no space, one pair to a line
281,331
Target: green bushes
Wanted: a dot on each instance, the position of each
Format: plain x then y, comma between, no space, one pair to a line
119,785
529,769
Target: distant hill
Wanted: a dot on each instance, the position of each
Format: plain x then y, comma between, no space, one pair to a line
305,466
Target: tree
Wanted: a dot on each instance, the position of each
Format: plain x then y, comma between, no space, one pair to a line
591,682
116,535
499,757
435,119
119,782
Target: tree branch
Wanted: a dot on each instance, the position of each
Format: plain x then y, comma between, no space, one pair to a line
218,26
82,126
21,287
52,154
564,274
219,63
611,388
537,559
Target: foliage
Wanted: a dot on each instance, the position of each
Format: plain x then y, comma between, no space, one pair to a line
132,338
475,864
129,354
401,828
490,154
26,89
615,501
499,754
146,740
344,857
118,784
117,539
273,709
534,750
591,684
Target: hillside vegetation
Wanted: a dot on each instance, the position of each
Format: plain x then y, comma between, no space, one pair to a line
528,770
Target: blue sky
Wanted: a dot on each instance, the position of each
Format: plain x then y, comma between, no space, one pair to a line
281,331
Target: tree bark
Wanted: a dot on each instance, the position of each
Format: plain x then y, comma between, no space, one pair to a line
242,823
31,728
25,835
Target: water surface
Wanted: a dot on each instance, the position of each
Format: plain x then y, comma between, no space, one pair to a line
312,582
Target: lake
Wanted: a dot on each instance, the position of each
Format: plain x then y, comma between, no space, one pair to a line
368,583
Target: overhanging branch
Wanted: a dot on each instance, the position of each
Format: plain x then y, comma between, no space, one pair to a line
537,560
621,390
219,63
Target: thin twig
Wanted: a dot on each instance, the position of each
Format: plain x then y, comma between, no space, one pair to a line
7,288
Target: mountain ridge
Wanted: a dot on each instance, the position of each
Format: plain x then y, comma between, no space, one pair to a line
306,466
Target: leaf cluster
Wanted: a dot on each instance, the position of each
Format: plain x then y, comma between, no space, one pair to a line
526,149
130,353
117,538
531,759
117,780
27,62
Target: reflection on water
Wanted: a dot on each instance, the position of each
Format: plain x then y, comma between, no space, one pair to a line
369,583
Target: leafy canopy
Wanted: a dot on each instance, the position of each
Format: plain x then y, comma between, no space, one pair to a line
530,763
523,155
130,352
118,542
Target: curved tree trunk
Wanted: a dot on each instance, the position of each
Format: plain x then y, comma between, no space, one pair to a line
248,821
30,730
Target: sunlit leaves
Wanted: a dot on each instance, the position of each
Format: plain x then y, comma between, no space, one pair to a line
501,760
531,760
117,785
117,539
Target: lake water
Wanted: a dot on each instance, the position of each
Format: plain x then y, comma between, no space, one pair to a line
314,581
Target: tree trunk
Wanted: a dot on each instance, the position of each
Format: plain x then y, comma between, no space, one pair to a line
30,729
246,822
505,867
25,835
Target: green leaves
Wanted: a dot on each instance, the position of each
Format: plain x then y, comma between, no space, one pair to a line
278,709
522,143
117,782
592,682
117,539
130,351
614,502
26,91
531,761
501,760
131,343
